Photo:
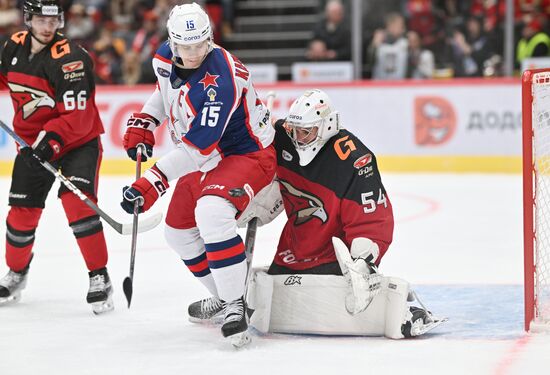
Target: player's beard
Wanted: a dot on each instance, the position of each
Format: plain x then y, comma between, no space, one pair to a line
43,39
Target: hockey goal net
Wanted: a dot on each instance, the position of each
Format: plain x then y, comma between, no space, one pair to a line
536,197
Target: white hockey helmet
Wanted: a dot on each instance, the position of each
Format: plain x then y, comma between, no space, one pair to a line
188,24
312,112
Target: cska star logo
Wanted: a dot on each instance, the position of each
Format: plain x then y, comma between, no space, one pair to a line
304,206
29,99
209,80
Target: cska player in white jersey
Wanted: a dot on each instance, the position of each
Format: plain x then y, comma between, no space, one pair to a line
224,156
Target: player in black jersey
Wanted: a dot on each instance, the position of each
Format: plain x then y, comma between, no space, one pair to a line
52,87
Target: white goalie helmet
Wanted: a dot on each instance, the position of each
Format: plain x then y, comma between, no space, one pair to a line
188,24
311,122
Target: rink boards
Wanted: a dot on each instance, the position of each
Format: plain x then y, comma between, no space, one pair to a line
469,125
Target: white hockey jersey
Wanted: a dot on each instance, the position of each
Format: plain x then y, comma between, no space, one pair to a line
212,114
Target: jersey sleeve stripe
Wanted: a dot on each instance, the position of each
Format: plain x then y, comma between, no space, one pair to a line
190,106
163,59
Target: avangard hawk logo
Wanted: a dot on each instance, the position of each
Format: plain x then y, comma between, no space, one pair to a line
29,99
305,206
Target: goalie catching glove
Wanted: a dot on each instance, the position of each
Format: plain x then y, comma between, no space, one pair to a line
139,129
359,271
146,190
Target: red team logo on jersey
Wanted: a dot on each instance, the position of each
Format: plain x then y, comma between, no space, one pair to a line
305,206
29,99
435,120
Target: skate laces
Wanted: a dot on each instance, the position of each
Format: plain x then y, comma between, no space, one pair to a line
211,304
97,282
234,310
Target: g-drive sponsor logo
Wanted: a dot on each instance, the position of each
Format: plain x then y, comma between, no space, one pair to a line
73,70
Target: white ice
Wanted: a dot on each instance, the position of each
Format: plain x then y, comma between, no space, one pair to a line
458,240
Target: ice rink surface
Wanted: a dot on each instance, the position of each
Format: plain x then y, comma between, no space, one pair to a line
458,240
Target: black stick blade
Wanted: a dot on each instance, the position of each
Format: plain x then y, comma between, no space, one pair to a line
128,289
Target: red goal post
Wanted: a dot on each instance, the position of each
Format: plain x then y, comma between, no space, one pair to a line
536,197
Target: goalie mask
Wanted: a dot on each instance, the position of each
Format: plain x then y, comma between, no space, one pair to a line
311,122
188,25
48,8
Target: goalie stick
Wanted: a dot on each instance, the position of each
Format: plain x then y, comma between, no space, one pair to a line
122,228
127,284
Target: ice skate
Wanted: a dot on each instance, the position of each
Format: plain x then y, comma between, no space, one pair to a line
11,286
100,291
206,310
235,326
419,321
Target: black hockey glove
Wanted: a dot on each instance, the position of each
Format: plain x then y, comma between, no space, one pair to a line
45,148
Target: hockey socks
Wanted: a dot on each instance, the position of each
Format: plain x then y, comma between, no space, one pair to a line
21,225
87,229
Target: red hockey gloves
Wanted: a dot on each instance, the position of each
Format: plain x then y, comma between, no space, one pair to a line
145,190
139,129
46,147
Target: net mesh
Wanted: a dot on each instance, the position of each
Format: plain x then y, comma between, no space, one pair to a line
541,160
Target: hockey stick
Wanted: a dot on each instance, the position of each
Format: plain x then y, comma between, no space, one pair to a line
124,229
127,284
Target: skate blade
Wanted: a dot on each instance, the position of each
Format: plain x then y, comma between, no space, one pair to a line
215,320
14,298
103,306
241,339
424,328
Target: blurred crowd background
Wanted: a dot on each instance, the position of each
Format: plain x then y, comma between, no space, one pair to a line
401,38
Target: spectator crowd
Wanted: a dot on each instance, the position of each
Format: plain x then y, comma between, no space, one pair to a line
433,38
402,38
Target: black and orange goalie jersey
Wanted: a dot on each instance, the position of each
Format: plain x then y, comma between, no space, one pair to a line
53,90
339,193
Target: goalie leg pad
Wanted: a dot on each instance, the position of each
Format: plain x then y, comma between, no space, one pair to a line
314,304
258,299
311,304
